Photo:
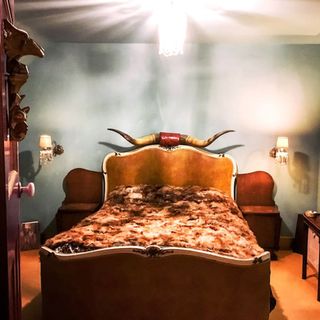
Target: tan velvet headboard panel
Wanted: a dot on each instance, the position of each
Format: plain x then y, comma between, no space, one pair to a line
180,166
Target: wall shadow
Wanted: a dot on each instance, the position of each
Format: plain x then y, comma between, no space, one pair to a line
117,148
299,169
127,149
49,231
225,149
27,169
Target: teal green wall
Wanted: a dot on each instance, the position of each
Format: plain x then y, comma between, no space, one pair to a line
79,90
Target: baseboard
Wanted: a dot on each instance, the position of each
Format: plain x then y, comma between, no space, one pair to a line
286,242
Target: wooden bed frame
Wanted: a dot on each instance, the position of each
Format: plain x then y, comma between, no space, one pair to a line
157,283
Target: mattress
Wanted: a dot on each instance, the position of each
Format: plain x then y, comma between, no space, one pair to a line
194,217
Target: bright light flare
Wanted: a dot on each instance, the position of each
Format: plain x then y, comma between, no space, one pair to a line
172,27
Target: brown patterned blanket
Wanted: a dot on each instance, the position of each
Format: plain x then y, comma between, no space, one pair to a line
190,217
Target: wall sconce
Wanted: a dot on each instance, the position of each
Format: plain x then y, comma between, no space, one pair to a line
280,151
49,149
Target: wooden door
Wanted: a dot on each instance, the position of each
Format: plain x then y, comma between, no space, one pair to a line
14,44
10,305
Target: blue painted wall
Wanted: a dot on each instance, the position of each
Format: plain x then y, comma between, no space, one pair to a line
79,90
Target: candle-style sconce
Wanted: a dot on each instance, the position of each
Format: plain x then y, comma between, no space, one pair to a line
280,151
48,149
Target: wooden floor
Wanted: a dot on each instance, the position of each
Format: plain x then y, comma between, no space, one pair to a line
296,298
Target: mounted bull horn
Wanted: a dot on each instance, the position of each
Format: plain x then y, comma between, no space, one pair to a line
191,141
142,141
170,139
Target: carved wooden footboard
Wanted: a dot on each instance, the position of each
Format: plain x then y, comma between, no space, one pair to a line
159,284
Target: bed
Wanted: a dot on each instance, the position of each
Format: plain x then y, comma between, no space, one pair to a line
141,277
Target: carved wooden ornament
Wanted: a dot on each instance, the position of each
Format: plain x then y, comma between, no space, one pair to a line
18,119
17,44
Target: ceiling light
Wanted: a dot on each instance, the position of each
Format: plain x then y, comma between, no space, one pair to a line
172,27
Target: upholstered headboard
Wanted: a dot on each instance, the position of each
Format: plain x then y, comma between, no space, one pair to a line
179,166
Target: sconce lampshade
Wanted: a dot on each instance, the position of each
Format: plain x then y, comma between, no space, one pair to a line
280,151
282,142
45,142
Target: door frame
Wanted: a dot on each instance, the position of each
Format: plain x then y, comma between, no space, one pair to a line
10,292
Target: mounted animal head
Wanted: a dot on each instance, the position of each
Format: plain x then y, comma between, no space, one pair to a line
170,139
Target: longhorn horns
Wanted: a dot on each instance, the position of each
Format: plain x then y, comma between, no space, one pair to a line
154,138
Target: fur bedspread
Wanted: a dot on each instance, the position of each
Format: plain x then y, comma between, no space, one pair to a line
142,215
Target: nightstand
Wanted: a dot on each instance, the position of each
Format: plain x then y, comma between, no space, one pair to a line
84,195
255,200
314,225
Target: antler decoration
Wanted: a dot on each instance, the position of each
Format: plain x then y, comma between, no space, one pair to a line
166,139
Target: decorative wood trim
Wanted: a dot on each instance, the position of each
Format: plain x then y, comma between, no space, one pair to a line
17,44
153,251
8,5
18,118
